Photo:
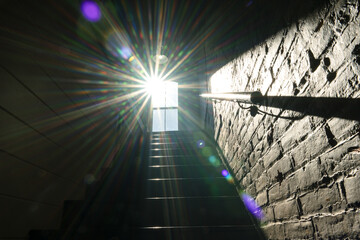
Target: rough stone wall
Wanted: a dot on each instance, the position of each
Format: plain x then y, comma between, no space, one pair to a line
303,173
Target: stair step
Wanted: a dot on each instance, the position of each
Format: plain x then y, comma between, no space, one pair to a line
183,171
172,139
164,145
153,233
170,143
209,211
190,187
178,160
168,152
200,232
177,194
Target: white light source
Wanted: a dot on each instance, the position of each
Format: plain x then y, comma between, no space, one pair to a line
154,86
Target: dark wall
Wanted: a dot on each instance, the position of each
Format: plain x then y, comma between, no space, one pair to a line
55,129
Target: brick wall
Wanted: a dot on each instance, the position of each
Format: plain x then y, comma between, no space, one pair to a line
304,173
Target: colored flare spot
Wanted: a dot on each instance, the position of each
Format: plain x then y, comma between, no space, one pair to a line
229,178
125,52
134,63
89,179
212,159
252,206
200,143
91,11
206,151
225,173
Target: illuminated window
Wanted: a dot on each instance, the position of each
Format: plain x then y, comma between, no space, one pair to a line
165,107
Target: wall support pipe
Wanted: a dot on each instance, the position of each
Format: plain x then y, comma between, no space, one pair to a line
326,107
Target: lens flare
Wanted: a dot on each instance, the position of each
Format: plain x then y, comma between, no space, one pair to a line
200,143
252,206
249,3
131,58
161,59
229,178
225,173
91,11
206,151
114,58
125,52
154,86
212,159
89,179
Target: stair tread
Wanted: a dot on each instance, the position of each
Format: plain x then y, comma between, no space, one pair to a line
195,211
184,171
177,194
190,187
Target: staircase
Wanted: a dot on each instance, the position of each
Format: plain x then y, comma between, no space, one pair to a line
172,192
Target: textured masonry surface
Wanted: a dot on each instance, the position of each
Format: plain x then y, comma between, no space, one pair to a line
304,173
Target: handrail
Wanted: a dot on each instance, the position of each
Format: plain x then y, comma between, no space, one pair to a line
244,97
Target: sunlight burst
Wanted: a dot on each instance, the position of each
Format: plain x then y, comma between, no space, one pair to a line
154,86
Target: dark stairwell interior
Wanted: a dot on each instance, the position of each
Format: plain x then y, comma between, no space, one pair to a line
169,191
77,161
